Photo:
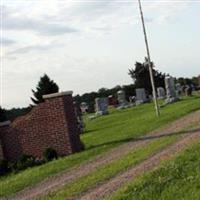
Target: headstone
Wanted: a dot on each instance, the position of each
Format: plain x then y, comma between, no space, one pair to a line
150,97
178,89
84,107
121,98
141,96
170,90
111,101
101,106
193,87
188,90
183,89
132,99
78,114
161,92
199,80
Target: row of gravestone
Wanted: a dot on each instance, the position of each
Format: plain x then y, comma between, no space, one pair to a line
101,104
170,94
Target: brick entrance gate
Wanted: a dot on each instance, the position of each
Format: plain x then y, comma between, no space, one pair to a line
49,124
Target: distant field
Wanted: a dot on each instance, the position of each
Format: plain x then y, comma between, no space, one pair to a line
177,179
102,134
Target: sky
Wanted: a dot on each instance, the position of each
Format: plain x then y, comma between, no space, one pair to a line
86,45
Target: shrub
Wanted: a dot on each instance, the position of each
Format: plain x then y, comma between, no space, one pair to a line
50,154
82,146
3,167
24,162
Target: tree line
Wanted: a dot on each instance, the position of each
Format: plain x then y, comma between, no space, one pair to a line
139,74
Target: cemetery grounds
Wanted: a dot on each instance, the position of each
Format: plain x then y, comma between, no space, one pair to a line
116,145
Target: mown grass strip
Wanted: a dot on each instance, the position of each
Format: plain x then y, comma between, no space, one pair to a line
110,170
175,179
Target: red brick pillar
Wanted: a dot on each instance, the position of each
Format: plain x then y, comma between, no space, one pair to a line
67,121
9,142
51,124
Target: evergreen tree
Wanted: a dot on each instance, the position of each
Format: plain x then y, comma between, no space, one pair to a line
141,77
3,116
45,86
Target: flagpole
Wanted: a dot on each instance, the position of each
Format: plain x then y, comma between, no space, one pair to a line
149,62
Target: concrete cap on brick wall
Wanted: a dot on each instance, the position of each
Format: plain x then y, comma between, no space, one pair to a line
59,94
6,123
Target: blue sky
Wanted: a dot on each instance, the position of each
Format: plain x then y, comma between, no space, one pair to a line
86,45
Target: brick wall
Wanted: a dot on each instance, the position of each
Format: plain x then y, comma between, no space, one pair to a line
10,143
50,124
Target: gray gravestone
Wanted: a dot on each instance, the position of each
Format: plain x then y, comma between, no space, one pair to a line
178,89
170,90
188,90
199,80
121,97
161,92
101,106
141,96
84,107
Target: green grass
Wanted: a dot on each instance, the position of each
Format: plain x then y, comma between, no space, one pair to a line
110,170
124,125
178,179
102,134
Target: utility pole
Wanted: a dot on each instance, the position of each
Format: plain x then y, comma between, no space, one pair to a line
149,62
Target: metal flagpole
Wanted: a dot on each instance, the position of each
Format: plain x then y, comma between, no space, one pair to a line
149,62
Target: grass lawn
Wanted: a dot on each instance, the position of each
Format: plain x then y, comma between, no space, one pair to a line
101,135
123,125
177,179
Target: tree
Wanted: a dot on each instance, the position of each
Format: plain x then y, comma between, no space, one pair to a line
103,92
181,80
16,112
187,81
3,116
45,86
195,81
89,98
141,77
129,90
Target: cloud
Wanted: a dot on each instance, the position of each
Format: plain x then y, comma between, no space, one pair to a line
16,21
7,42
166,11
38,26
31,48
55,18
61,17
90,19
